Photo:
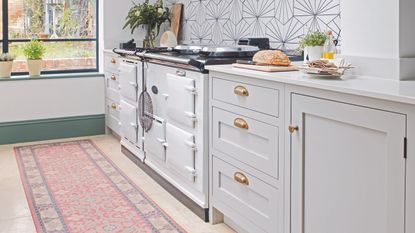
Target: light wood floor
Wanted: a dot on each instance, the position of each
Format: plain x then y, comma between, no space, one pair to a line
15,214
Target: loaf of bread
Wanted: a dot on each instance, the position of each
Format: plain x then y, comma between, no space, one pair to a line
271,57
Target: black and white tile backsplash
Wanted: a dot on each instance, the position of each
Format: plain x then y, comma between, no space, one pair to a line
283,21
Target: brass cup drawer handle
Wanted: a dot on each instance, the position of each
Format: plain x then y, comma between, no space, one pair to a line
113,61
240,123
241,178
241,91
292,128
114,106
113,77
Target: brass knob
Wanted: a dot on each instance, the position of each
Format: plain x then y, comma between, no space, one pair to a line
114,106
241,91
113,77
292,128
240,123
241,178
113,61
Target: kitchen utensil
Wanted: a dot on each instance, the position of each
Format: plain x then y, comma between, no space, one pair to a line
145,111
176,15
168,39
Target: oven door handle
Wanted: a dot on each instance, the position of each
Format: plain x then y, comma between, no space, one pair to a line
192,90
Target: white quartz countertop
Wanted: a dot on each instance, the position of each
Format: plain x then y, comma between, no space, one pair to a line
386,89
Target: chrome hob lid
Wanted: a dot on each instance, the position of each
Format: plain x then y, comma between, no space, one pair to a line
216,51
224,49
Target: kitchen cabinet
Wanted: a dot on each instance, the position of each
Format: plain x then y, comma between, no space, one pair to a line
112,92
325,156
348,168
247,145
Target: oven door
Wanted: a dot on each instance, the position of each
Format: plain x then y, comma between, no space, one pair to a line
180,153
181,100
155,141
129,127
128,81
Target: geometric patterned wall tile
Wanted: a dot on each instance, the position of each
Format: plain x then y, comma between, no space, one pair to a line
283,21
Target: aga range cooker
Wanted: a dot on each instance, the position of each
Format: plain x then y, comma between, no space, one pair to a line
164,115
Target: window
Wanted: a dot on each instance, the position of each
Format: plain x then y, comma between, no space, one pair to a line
68,29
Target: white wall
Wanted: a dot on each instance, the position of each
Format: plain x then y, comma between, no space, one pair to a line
114,13
370,28
378,37
51,98
407,28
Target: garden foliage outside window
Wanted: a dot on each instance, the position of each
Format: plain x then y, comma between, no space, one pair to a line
68,29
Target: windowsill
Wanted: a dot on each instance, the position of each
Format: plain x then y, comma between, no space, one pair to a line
53,76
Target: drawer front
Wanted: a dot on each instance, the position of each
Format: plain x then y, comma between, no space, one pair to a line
111,63
248,201
113,95
256,98
114,124
112,86
248,140
112,80
113,108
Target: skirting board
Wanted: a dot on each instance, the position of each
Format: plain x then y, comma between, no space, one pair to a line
195,208
45,129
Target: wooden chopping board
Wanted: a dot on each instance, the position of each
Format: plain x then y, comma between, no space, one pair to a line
266,68
176,15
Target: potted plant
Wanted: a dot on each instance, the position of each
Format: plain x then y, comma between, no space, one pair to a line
150,17
6,65
312,44
34,51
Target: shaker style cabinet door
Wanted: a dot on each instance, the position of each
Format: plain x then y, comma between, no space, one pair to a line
348,168
128,81
181,151
129,125
181,100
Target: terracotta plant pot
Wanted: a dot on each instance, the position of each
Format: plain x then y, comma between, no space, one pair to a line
35,67
43,36
6,69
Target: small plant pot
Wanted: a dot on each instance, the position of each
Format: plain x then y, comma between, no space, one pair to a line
43,36
313,53
35,67
6,69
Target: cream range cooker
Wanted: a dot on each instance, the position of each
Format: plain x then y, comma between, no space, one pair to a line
175,147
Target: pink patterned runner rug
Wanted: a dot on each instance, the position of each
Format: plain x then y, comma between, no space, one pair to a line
74,187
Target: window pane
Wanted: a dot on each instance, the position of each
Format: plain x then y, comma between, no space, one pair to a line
1,20
59,56
52,19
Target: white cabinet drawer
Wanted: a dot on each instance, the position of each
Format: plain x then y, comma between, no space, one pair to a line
250,141
112,86
112,80
111,63
114,124
113,108
253,205
256,98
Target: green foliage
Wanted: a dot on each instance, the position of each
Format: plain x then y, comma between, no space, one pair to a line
313,39
67,23
7,57
147,14
34,50
34,9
